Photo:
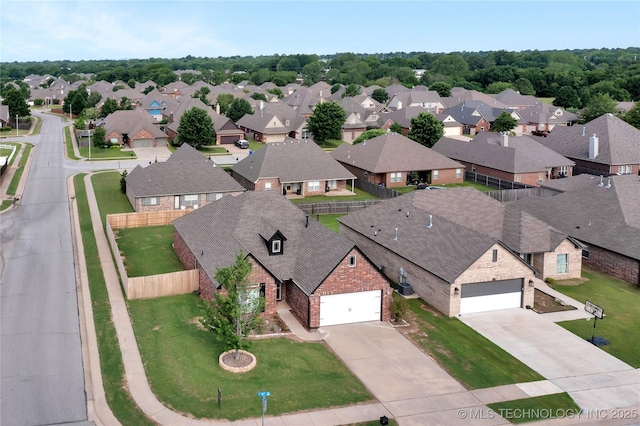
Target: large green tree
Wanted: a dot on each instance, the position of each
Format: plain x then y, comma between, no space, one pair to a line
633,116
238,108
596,106
567,97
426,129
351,90
224,100
232,316
326,121
504,123
380,95
196,128
442,87
109,106
17,105
369,134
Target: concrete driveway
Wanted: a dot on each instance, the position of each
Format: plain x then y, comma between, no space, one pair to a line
414,389
595,379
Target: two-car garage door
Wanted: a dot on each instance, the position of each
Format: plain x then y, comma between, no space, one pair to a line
350,307
491,296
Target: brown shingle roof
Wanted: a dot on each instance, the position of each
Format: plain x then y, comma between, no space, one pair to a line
392,153
221,229
291,161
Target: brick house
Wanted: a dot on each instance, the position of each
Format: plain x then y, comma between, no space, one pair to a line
605,145
599,212
134,128
293,168
392,159
324,278
187,180
518,159
460,250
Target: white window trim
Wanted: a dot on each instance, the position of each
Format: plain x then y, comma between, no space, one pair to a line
353,261
435,174
313,185
276,246
458,173
562,267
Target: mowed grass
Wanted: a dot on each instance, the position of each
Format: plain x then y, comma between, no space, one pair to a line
181,361
67,140
148,250
329,220
112,369
620,301
110,199
15,180
466,355
538,408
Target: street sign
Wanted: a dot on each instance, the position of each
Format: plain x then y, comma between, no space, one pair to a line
593,309
264,396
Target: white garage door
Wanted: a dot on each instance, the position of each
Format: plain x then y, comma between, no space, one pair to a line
350,307
491,296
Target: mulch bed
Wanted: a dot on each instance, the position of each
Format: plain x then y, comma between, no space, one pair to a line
544,303
242,361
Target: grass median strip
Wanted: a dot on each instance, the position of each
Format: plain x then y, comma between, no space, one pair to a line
546,407
118,398
15,181
466,355
620,302
181,361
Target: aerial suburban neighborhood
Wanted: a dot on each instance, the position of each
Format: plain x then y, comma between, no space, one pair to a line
322,239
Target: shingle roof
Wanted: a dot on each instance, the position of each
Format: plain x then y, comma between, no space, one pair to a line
605,217
221,229
291,161
466,223
131,122
180,177
186,153
522,155
392,152
619,142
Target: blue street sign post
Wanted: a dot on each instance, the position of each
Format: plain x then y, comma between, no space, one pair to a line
264,396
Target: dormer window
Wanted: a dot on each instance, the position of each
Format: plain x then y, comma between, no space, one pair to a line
276,247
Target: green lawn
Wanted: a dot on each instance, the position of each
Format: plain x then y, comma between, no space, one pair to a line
360,195
181,361
544,407
69,143
99,153
5,152
119,400
5,204
547,100
329,220
330,145
15,181
466,355
214,150
148,250
110,198
620,302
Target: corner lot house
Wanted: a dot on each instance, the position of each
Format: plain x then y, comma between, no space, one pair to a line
187,180
390,160
323,277
461,250
603,213
135,128
293,167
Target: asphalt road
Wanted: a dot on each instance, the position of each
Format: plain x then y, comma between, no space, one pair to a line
41,375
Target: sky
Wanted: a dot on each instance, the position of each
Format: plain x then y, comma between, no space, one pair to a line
87,30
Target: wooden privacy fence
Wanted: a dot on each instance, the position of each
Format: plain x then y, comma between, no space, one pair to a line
150,286
375,189
511,195
336,207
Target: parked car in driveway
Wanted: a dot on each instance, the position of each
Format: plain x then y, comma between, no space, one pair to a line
242,143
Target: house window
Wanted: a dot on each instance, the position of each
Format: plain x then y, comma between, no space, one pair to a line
564,170
213,196
150,201
276,246
517,177
267,186
473,168
624,170
527,257
396,177
585,252
190,200
458,173
352,260
563,260
436,174
482,129
495,255
314,185
279,290
176,202
305,134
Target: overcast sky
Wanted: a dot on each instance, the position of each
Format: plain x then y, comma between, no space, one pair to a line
83,30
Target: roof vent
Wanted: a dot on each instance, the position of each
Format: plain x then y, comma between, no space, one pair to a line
608,182
601,182
430,225
395,237
306,224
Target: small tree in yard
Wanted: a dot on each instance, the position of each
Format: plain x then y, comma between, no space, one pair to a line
123,182
504,123
232,316
327,121
426,129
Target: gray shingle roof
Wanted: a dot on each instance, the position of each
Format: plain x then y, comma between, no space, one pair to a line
291,161
131,122
466,223
619,141
392,153
177,177
605,217
186,153
522,155
221,229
